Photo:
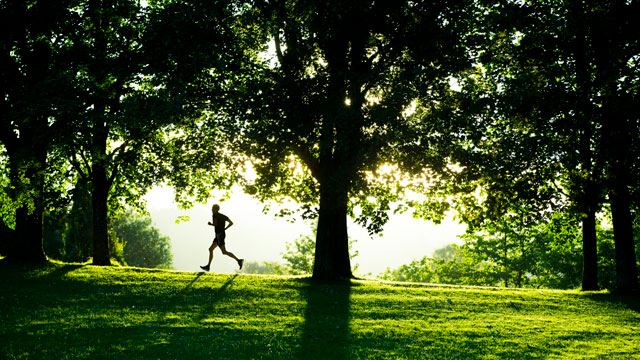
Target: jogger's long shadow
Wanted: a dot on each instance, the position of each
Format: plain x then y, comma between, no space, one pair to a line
190,284
216,295
326,333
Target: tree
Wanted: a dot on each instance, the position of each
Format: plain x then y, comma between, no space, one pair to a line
264,267
115,139
451,264
333,96
528,124
299,255
34,75
144,246
615,44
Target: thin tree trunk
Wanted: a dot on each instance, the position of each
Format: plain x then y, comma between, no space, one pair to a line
332,245
589,251
588,197
504,262
80,235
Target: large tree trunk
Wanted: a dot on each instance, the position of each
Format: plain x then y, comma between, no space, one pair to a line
100,192
26,244
626,268
617,143
332,244
99,196
616,140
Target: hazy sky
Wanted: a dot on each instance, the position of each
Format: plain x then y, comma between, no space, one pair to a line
262,237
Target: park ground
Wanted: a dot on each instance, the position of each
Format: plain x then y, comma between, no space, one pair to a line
67,311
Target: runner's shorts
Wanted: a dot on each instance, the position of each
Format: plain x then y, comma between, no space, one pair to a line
220,238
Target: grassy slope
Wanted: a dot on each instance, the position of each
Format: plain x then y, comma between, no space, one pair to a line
69,312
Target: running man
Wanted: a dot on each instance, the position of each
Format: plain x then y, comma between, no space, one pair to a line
218,221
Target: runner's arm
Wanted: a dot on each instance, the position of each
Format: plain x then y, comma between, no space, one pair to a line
230,223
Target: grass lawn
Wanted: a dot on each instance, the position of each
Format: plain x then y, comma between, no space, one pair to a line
84,312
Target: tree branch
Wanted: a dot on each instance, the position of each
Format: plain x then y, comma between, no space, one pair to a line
278,47
76,164
307,157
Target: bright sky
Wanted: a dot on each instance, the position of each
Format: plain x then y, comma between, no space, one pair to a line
262,237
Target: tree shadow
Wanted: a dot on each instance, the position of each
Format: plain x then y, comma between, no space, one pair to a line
47,272
61,271
631,301
326,332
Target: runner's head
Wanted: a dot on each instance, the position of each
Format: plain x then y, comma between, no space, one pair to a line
215,208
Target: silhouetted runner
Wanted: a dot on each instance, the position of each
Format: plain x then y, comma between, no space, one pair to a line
218,221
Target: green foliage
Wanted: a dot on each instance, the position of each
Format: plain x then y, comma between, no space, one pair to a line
68,228
265,267
449,265
120,112
544,254
96,312
197,50
299,255
7,208
333,94
143,245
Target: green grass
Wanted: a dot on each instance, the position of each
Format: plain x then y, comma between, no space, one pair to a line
84,312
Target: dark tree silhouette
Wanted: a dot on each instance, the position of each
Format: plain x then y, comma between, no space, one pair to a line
33,77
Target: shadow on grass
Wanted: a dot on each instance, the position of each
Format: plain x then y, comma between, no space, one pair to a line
215,296
631,302
326,333
47,273
190,284
61,271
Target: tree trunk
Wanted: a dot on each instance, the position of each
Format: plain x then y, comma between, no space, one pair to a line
616,141
589,251
588,196
626,268
99,196
617,144
27,160
332,244
504,262
100,192
27,243
79,242
6,236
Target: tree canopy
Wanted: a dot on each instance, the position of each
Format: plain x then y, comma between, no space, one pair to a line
520,117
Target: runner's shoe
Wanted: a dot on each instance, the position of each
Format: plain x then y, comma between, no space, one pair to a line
241,262
205,268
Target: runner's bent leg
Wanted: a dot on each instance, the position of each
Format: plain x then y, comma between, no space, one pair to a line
211,248
228,253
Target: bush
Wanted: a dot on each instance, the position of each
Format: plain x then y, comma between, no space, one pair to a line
144,246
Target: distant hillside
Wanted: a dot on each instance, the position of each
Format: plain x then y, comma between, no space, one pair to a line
85,312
